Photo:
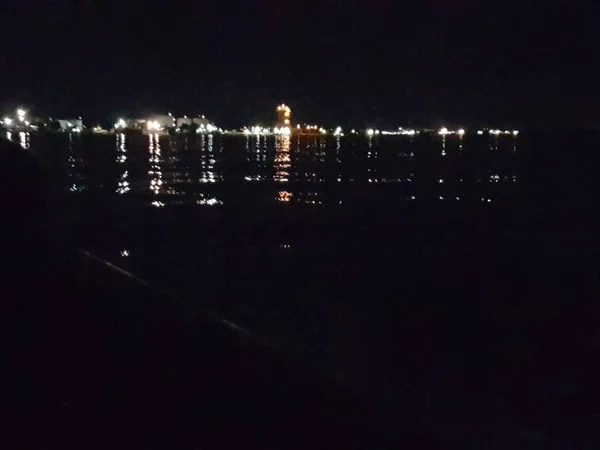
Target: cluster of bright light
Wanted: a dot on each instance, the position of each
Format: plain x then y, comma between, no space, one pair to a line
210,201
76,130
120,124
283,130
499,132
208,128
7,121
444,131
285,108
153,125
338,132
287,113
403,132
322,131
371,132
21,114
257,129
312,127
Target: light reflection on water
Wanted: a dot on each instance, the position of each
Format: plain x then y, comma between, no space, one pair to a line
211,170
172,177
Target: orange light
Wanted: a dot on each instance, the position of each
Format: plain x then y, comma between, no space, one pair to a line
284,196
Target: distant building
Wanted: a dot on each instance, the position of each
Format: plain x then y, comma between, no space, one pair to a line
284,116
201,121
204,125
161,121
184,121
70,124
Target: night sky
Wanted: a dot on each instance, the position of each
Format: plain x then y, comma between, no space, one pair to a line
377,62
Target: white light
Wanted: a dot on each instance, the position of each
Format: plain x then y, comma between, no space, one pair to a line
338,131
370,132
440,181
120,124
443,131
480,132
21,114
125,253
516,132
376,131
461,132
27,123
7,121
153,125
76,130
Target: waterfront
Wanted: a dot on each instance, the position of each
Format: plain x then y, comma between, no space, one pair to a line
367,258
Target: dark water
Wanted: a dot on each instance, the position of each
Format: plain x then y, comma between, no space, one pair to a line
420,271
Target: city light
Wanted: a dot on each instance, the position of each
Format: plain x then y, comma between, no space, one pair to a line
480,132
461,132
370,132
153,125
443,131
338,131
257,129
21,114
120,124
283,130
7,121
515,133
